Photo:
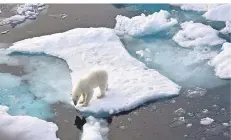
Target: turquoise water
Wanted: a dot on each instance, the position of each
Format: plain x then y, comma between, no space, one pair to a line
29,94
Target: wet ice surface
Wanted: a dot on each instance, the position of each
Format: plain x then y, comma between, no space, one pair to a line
28,94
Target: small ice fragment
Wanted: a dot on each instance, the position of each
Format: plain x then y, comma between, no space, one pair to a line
197,92
205,111
178,121
172,101
5,32
179,111
223,109
206,121
189,125
122,127
225,124
63,16
129,119
0,11
190,114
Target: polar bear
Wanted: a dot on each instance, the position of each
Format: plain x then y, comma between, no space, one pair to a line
86,84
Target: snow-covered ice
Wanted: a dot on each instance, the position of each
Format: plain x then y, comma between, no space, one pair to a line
144,25
227,29
197,34
220,13
25,127
95,129
130,82
23,12
197,7
222,62
206,121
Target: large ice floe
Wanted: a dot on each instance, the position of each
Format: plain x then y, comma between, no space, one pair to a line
131,83
197,34
144,25
95,129
23,12
197,7
222,62
25,127
220,13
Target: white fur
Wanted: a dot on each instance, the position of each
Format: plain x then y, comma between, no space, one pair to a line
86,85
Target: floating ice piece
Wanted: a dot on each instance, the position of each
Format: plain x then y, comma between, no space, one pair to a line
205,111
227,28
25,127
95,129
222,62
9,81
130,82
196,92
144,25
189,125
197,7
5,32
179,111
220,13
14,20
23,12
0,11
206,121
197,34
177,122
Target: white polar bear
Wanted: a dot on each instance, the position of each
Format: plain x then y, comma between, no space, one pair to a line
86,85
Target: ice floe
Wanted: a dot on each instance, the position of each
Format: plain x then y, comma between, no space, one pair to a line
206,121
197,34
222,62
220,13
130,82
144,25
95,129
25,127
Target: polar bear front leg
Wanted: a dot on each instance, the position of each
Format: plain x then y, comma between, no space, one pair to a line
103,89
88,98
83,98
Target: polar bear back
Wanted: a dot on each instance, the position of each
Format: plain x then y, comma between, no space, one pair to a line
95,78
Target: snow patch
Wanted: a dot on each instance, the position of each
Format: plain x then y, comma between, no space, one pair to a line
197,34
25,127
87,48
144,25
222,62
